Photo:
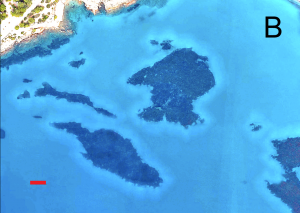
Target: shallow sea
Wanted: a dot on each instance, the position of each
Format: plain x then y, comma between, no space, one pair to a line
218,166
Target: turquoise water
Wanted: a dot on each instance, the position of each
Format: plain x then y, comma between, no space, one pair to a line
220,166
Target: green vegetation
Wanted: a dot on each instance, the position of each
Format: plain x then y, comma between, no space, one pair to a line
3,14
19,10
17,27
42,1
38,9
45,17
55,17
24,25
48,6
48,1
13,37
32,16
2,7
22,32
33,31
31,20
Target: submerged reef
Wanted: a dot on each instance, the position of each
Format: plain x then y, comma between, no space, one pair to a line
110,151
78,98
154,42
25,80
77,64
37,116
2,134
166,45
18,55
19,58
288,191
255,127
58,42
26,94
288,154
133,7
177,80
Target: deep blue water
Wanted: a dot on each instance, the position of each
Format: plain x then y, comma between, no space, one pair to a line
218,166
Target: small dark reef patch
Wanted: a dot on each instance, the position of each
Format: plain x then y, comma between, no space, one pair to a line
78,98
37,116
177,80
154,42
288,154
255,127
25,80
77,64
166,45
110,151
26,94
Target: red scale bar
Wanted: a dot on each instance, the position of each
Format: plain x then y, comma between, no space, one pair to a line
37,182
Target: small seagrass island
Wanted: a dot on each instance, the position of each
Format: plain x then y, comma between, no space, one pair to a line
177,80
288,155
110,151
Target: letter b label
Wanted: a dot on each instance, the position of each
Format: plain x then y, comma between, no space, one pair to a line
272,26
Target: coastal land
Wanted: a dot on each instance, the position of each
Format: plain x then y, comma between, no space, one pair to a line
22,20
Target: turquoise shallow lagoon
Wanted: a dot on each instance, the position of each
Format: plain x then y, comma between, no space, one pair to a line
217,166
